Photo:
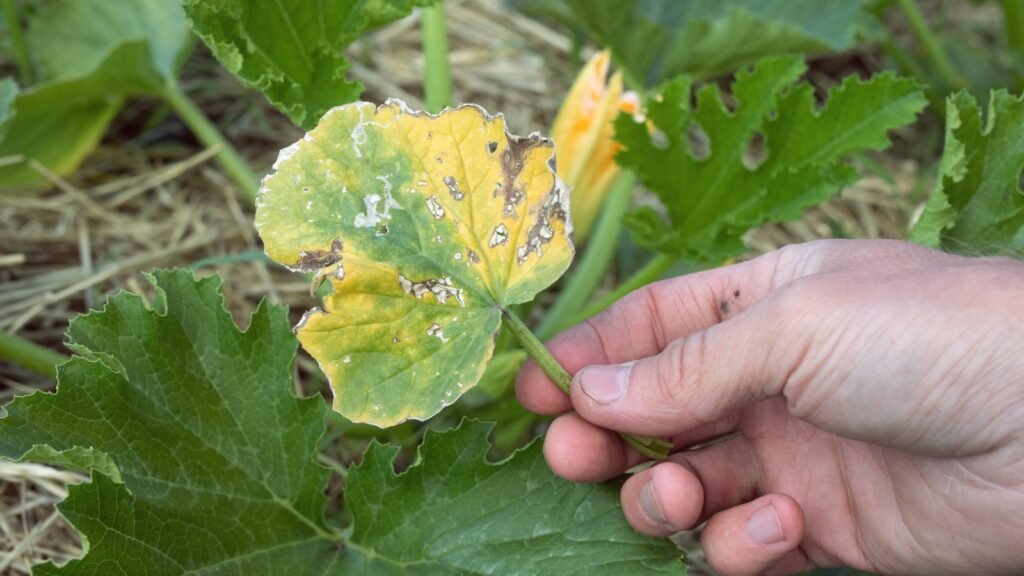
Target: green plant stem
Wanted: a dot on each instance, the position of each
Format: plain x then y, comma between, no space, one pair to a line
586,275
649,273
1013,23
437,81
536,349
650,447
931,44
25,71
30,355
209,135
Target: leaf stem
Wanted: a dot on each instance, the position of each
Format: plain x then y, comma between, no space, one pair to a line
28,354
437,74
585,276
649,273
25,71
536,349
654,448
209,135
931,44
1013,23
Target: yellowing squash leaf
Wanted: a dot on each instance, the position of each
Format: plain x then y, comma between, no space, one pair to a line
426,227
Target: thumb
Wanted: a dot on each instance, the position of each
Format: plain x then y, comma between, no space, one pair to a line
702,377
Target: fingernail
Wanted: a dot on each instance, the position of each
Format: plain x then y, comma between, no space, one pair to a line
604,384
764,527
649,504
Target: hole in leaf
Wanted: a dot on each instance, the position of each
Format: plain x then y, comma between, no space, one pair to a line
659,139
756,152
727,98
699,142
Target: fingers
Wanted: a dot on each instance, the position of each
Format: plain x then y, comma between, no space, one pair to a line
644,322
581,452
663,500
744,535
727,471
682,492
759,537
705,376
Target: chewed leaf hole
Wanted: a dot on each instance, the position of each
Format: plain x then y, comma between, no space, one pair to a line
756,152
699,142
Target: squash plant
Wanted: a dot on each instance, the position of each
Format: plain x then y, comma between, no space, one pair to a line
429,228
431,231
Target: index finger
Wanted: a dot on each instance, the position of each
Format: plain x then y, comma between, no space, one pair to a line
644,322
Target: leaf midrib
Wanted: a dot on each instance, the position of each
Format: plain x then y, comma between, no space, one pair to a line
294,34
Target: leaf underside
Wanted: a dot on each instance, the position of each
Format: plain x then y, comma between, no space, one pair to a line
426,227
978,206
720,171
657,39
204,463
92,54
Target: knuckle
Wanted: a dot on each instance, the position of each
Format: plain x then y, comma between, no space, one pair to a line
795,261
787,304
602,320
676,369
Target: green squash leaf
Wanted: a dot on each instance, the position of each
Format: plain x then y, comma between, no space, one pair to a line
292,51
715,185
92,54
203,462
978,205
217,458
426,226
657,39
452,513
73,38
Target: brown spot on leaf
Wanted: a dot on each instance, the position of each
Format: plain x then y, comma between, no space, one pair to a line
442,289
316,260
320,261
541,232
499,237
436,331
435,208
453,187
512,163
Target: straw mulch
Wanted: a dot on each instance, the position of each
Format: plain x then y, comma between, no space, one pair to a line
152,197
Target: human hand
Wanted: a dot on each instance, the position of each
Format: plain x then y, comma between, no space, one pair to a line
877,389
